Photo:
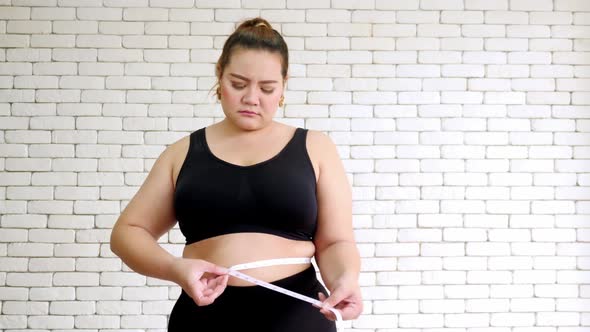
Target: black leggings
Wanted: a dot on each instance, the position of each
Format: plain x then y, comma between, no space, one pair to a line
254,308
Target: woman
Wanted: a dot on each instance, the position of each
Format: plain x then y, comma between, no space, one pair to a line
246,189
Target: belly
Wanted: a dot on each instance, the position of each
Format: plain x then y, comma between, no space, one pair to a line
231,249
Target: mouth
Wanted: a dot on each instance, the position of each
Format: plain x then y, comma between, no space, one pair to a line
246,112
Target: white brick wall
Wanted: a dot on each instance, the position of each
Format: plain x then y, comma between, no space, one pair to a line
463,124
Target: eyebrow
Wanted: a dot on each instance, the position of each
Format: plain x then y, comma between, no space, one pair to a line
248,80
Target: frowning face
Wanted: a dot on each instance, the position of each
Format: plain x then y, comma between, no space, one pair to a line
251,87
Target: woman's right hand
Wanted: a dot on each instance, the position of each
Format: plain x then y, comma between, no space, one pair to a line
201,280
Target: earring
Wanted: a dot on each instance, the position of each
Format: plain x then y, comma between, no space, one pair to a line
282,101
218,93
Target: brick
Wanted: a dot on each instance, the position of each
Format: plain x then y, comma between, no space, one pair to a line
467,291
529,58
369,16
28,27
418,16
564,318
173,4
477,57
489,84
145,14
152,42
14,41
39,13
98,293
75,279
486,5
512,319
487,305
467,320
127,307
523,221
418,71
13,321
421,292
418,98
75,27
580,18
497,193
511,291
438,30
506,44
114,28
464,263
51,235
506,17
421,321
553,44
72,308
528,5
141,293
551,18
463,44
462,17
25,308
441,138
571,58
395,57
28,279
441,5
556,291
569,31
439,57
55,96
442,250
417,43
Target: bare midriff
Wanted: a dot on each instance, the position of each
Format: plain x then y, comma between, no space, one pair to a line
238,248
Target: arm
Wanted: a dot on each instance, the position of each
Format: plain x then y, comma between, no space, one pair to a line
148,216
336,252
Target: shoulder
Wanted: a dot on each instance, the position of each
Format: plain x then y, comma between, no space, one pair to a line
322,150
319,141
177,149
174,155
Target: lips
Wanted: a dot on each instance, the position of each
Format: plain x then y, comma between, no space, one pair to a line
246,112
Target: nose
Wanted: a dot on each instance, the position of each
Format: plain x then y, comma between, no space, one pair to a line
251,96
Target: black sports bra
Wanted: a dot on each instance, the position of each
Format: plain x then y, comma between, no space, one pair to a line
277,196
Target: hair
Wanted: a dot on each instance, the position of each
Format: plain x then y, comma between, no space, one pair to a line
254,34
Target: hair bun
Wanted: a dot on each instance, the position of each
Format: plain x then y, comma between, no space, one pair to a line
255,23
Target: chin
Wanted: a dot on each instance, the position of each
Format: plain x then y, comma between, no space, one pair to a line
249,125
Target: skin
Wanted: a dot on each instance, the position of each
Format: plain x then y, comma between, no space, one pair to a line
251,86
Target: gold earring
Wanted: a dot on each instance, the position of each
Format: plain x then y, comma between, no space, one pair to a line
282,101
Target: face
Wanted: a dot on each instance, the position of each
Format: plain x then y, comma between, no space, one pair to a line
251,86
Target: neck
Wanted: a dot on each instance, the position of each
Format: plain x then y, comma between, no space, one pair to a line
231,129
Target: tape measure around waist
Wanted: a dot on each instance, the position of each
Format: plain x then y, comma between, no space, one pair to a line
235,272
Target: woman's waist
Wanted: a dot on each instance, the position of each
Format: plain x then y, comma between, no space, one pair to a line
242,249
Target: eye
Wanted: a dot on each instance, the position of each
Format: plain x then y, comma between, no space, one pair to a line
238,86
267,90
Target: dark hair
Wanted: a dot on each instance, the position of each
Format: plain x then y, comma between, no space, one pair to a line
254,34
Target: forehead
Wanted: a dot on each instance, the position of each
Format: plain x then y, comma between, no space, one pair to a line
255,64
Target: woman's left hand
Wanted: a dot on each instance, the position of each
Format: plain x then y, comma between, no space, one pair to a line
346,298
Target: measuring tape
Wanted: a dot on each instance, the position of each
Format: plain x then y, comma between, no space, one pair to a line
234,271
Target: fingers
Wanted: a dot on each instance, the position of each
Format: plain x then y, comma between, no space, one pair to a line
212,268
349,304
335,298
207,289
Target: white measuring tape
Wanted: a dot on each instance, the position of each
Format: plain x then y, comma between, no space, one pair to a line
235,272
